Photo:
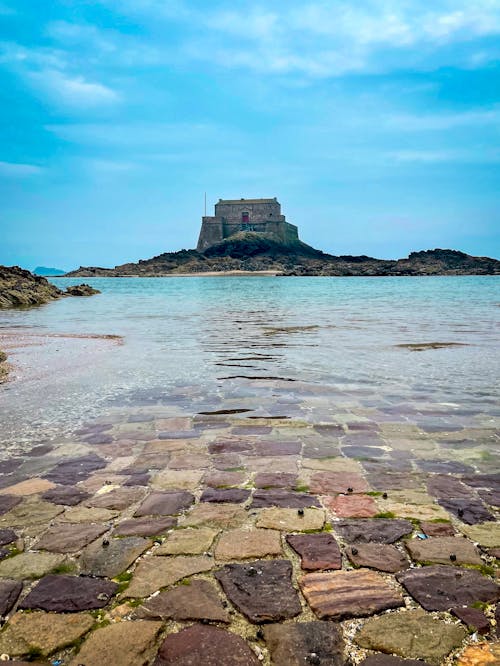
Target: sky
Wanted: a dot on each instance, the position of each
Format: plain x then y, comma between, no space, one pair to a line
375,123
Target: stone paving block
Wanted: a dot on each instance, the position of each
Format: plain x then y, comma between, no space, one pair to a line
283,498
69,594
153,573
443,550
440,587
30,565
8,502
210,646
381,659
70,472
215,515
413,634
468,511
69,538
351,506
165,503
380,530
473,617
442,486
303,643
480,655
291,520
388,481
145,526
189,460
30,512
112,559
117,499
230,446
437,529
121,644
335,464
241,544
177,479
276,448
67,495
83,514
380,556
487,534
345,594
262,590
286,464
9,592
197,601
418,511
317,551
7,536
225,495
327,483
42,632
28,487
188,541
266,480
221,479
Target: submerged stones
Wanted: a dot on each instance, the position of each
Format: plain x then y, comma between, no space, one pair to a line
262,590
345,594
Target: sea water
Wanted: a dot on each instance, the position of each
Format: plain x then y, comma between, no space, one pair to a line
318,349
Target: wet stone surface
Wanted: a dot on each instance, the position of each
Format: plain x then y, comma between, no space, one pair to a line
468,511
283,498
440,587
317,551
210,646
229,495
262,590
69,594
305,643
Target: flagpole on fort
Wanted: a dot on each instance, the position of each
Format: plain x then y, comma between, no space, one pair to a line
205,204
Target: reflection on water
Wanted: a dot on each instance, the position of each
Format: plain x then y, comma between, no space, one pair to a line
424,348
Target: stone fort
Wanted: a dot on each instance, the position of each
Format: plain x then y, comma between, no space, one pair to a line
235,215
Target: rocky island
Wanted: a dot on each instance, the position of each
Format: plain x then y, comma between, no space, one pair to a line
252,235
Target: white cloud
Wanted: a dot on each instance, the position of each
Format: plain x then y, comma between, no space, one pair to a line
73,90
444,121
18,170
478,156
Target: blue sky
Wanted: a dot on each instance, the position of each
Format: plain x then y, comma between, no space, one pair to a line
376,124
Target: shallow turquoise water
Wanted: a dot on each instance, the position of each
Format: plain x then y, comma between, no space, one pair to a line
323,345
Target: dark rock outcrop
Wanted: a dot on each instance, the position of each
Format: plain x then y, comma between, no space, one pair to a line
20,288
3,366
250,251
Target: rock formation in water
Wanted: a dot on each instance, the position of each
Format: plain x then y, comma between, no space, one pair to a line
251,251
20,288
3,366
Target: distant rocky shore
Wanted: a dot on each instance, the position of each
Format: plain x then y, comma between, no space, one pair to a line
20,288
256,252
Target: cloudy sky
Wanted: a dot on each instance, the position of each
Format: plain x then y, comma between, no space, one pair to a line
375,123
